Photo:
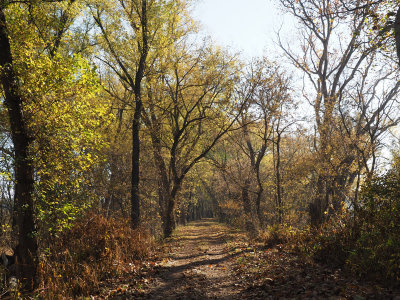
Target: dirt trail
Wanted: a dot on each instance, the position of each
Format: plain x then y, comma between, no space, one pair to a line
207,260
199,266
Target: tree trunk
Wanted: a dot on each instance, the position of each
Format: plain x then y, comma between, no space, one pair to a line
182,213
27,250
397,33
165,200
163,182
315,207
258,206
114,199
247,209
135,196
321,198
169,218
278,178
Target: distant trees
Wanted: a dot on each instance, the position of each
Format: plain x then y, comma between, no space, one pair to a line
265,90
185,93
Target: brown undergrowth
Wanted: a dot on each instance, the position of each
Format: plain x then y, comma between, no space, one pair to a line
93,250
357,259
289,263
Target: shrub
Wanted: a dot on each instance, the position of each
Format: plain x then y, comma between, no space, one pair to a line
289,236
332,243
94,249
367,244
376,252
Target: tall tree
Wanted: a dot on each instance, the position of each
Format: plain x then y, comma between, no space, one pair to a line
49,94
267,89
189,109
336,52
129,55
264,88
23,165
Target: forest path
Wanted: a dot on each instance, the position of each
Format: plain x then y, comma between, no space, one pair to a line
199,264
209,260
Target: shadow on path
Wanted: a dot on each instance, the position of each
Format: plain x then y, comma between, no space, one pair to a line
199,264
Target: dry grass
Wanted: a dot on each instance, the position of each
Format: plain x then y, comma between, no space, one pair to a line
95,249
279,234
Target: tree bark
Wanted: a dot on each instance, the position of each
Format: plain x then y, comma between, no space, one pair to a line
169,217
135,195
316,209
278,178
250,228
397,33
27,250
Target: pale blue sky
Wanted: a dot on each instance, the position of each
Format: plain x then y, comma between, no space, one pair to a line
242,25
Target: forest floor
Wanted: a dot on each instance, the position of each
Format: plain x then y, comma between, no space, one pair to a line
208,260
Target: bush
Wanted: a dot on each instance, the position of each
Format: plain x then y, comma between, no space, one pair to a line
287,236
367,244
376,252
332,243
94,249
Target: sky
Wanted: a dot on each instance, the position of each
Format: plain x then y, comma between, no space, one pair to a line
248,26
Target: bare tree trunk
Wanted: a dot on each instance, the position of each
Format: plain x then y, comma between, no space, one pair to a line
278,178
260,189
164,196
169,217
247,209
27,250
258,206
114,200
355,200
397,33
135,195
315,207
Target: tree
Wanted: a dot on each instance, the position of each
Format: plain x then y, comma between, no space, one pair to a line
267,89
277,135
128,56
264,88
336,52
189,109
23,165
49,95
